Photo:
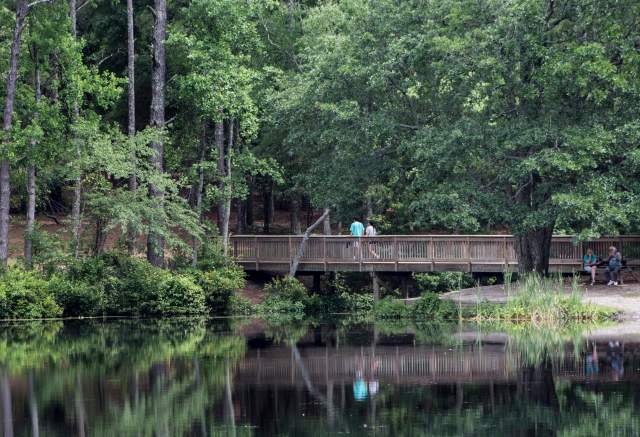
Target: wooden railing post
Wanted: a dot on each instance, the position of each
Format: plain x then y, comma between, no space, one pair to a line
255,242
396,253
324,252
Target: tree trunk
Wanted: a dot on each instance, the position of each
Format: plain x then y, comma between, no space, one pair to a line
155,241
295,215
267,199
131,126
240,216
76,218
369,209
101,237
31,181
5,182
200,189
300,252
248,207
327,225
227,199
218,138
533,249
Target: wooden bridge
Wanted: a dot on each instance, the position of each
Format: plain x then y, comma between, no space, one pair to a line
414,253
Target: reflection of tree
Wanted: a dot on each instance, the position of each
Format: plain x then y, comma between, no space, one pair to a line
151,378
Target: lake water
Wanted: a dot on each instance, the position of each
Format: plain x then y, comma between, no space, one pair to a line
248,377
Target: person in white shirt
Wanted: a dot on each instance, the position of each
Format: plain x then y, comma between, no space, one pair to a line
370,231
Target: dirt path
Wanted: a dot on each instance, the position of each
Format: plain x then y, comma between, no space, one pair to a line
625,298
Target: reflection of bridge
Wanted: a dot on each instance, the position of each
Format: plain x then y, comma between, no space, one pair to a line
405,365
412,253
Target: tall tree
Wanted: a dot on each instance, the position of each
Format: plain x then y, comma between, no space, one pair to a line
22,10
76,207
155,241
31,173
131,109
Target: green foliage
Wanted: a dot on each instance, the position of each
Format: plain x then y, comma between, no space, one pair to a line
431,307
132,286
287,287
542,300
25,295
276,307
49,252
390,308
219,286
77,298
240,306
441,282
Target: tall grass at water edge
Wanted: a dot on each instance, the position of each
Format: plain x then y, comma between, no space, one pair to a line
542,300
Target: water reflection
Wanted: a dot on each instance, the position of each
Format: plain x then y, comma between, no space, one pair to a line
199,378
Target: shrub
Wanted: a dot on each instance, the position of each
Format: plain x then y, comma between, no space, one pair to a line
287,288
276,306
240,306
219,286
440,282
76,298
25,295
177,295
48,251
390,308
430,306
132,286
355,303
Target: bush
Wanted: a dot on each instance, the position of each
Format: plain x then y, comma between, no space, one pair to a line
441,282
76,298
240,306
430,306
132,286
219,286
390,308
287,288
276,306
48,251
176,295
355,303
25,295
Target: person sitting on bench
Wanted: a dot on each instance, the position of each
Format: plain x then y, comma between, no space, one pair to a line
590,262
614,263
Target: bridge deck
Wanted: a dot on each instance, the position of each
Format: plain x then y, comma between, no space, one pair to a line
414,253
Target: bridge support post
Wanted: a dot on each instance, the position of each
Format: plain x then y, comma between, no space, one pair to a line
316,282
375,286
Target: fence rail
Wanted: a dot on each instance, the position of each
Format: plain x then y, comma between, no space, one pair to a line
472,253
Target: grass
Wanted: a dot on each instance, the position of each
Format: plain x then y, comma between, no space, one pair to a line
542,300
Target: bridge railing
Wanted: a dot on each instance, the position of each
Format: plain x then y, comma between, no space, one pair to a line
418,249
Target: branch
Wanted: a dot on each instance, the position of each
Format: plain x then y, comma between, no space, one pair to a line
83,5
37,2
299,254
107,57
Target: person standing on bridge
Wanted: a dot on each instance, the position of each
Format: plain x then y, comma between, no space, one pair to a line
370,231
357,230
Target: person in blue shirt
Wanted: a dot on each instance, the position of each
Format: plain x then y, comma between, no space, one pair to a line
590,262
357,231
